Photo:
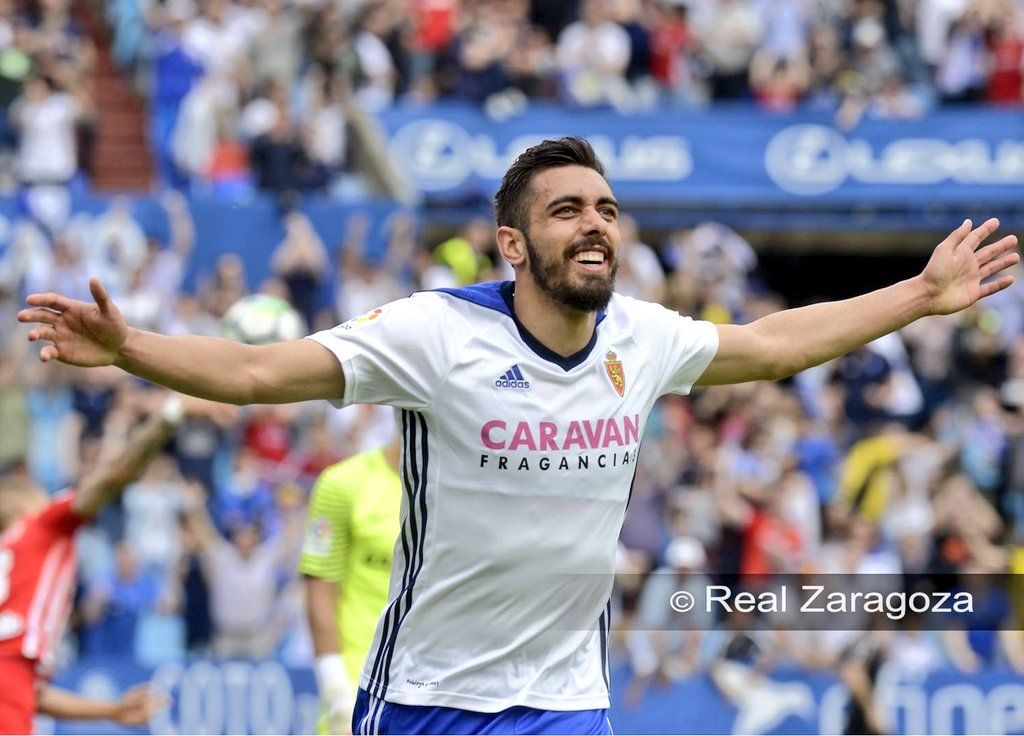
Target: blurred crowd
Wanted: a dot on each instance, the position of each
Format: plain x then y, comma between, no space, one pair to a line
260,94
902,462
47,113
268,78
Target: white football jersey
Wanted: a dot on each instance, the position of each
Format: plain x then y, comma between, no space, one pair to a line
517,465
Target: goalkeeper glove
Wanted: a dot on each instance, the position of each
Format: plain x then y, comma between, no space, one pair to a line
336,691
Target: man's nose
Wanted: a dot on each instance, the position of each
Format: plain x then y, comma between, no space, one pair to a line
592,224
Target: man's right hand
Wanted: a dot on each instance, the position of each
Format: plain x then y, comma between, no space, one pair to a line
79,333
211,368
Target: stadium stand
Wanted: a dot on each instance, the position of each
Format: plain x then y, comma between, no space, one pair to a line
268,127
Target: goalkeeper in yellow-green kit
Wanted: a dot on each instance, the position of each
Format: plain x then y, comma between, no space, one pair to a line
346,559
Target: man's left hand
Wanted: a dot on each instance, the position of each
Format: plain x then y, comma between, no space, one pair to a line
956,274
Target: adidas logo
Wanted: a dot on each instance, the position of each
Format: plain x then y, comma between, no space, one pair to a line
513,379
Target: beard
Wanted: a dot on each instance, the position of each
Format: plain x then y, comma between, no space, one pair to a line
554,278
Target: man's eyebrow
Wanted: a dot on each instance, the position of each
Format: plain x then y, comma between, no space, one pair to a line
564,199
578,201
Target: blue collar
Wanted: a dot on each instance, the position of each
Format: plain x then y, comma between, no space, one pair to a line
497,295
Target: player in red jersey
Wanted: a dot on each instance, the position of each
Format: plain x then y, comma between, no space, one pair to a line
38,570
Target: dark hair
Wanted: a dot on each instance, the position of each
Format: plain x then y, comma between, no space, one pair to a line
510,202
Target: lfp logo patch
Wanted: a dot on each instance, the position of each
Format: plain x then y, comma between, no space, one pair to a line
319,536
363,319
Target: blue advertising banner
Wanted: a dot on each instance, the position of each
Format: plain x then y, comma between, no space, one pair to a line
266,697
736,156
207,697
800,702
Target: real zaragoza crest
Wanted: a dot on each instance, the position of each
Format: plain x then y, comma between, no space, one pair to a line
613,367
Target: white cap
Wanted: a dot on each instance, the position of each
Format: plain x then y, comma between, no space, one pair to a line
685,552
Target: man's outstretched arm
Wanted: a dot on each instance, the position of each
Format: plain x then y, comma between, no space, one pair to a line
212,368
792,340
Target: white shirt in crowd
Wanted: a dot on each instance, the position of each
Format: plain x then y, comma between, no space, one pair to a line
603,48
377,91
47,152
251,579
217,46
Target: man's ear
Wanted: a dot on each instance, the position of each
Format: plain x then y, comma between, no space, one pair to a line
511,245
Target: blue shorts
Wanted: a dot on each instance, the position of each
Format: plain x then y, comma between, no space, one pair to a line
373,716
